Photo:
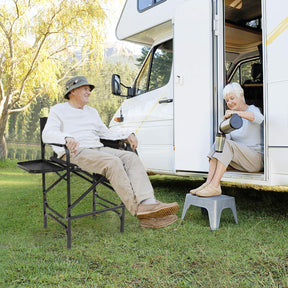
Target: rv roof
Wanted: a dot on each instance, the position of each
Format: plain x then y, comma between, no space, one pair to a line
155,23
146,26
241,11
239,39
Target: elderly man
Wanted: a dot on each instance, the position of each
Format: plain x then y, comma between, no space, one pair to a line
80,127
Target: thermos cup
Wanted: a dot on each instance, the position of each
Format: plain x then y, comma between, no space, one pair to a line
230,124
219,142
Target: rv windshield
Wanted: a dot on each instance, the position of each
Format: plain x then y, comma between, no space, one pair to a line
156,70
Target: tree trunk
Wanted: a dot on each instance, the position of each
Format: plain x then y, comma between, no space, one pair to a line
3,148
3,122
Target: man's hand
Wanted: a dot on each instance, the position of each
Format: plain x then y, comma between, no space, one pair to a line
72,144
133,141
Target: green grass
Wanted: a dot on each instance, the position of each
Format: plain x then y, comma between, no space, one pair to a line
253,253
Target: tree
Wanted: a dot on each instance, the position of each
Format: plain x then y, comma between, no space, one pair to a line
43,42
144,52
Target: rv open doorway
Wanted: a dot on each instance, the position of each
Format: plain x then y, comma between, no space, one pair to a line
244,61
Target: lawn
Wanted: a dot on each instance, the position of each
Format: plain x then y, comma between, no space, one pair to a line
253,253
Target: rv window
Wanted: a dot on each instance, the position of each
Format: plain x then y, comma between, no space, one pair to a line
249,75
146,4
236,76
156,71
142,80
247,72
244,73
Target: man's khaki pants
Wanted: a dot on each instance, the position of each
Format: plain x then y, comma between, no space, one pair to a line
123,169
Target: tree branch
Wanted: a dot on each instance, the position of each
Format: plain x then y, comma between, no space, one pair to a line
45,36
16,100
4,29
25,106
1,90
81,62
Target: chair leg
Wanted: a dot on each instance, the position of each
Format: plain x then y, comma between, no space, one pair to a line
44,200
69,233
122,218
44,216
94,201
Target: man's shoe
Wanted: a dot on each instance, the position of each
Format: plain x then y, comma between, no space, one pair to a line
158,222
194,191
157,210
210,191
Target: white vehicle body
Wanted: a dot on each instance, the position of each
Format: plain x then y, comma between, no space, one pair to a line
176,114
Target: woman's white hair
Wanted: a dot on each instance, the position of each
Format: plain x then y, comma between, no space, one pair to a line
233,87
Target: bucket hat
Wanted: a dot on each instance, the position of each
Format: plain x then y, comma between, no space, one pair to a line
76,82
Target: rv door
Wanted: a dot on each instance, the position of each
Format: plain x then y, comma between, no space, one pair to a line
193,108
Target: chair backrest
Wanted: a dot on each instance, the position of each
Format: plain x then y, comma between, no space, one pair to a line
43,121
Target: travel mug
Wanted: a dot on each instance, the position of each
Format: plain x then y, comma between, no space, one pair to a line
219,142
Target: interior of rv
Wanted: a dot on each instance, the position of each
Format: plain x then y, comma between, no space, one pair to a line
243,49
243,46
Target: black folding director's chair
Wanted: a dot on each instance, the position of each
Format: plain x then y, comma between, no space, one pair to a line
64,170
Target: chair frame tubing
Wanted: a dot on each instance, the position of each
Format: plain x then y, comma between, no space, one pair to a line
94,180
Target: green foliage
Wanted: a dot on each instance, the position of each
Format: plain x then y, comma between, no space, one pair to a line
24,152
144,52
24,127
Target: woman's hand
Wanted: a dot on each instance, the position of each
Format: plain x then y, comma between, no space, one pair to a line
228,114
249,115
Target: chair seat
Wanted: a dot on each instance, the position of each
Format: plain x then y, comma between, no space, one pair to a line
40,166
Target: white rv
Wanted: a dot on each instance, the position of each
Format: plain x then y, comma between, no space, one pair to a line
175,103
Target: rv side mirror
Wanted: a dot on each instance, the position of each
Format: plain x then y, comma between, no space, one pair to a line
116,84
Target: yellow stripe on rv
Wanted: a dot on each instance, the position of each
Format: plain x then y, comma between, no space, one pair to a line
277,31
149,112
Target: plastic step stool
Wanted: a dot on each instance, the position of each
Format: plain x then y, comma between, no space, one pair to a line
214,206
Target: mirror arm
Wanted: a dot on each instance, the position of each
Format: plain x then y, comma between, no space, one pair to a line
124,86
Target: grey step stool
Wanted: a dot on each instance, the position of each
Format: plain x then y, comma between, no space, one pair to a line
214,206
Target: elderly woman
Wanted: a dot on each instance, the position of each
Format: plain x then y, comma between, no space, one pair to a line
243,149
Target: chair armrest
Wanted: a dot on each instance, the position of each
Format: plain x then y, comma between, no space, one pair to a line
121,144
57,144
67,151
116,144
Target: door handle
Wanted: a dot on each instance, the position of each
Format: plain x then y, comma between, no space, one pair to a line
165,101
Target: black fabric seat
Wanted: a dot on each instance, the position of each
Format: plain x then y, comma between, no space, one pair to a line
64,170
253,88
